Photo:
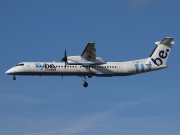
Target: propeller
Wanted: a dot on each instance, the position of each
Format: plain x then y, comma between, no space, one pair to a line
64,58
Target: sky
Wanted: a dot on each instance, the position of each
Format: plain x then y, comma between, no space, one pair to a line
123,30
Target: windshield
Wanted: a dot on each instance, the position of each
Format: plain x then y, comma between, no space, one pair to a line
21,64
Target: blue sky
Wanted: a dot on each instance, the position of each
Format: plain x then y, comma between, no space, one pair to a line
123,30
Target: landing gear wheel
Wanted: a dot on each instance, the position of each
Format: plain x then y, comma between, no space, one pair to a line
89,75
85,84
14,78
84,80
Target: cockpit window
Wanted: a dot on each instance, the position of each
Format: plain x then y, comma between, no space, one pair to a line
21,64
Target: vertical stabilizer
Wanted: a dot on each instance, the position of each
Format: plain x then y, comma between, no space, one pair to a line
161,52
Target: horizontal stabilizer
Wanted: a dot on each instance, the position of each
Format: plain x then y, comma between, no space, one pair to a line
167,41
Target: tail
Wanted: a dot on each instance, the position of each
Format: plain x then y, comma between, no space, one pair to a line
160,54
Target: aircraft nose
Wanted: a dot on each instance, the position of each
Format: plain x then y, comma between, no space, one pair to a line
10,71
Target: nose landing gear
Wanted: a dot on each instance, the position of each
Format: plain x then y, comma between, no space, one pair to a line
14,77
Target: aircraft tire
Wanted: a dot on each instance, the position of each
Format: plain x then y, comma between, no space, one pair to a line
85,84
14,78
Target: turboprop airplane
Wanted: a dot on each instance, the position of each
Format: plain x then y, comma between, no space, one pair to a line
88,65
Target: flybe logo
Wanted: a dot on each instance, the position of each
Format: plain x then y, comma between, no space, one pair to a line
162,55
45,67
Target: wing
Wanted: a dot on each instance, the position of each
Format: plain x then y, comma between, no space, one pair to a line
89,52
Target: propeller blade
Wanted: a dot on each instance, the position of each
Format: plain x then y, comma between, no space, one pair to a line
64,58
65,53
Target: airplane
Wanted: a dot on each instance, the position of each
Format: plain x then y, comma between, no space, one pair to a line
88,65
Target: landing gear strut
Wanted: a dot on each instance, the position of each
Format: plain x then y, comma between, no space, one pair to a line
89,72
14,77
84,80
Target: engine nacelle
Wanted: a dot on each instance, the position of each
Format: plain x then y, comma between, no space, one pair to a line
78,60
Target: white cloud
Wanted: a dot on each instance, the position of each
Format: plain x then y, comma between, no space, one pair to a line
87,123
82,125
112,118
134,102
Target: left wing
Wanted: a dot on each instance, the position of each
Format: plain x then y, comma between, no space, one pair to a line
89,52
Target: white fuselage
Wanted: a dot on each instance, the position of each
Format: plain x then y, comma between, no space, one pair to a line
105,70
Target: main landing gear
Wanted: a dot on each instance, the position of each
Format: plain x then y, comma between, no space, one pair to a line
14,77
89,75
84,77
85,84
84,80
